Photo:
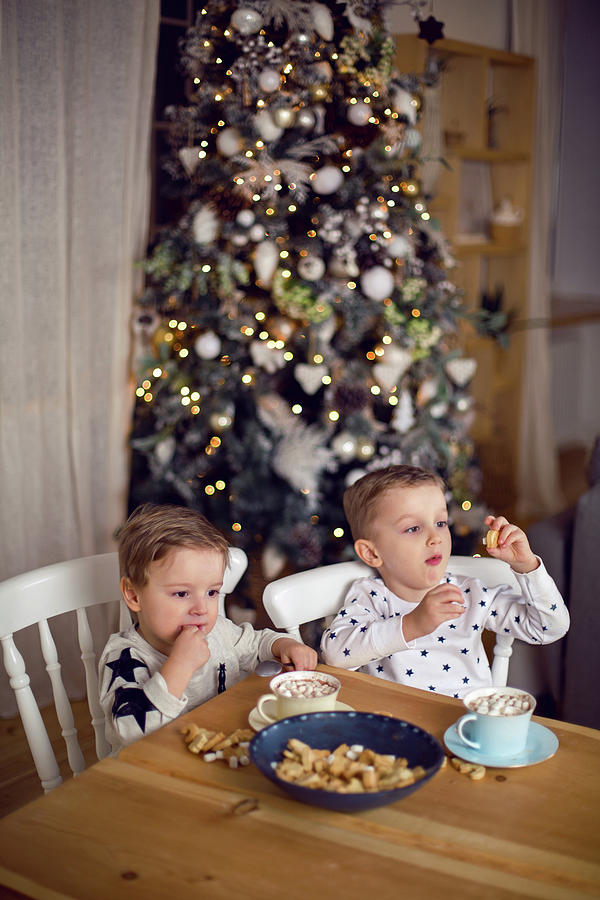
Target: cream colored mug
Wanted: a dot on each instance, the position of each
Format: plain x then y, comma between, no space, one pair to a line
294,693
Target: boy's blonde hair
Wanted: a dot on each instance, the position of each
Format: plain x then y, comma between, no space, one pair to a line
361,497
152,531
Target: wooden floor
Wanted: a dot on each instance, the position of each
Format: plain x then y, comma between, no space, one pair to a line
19,782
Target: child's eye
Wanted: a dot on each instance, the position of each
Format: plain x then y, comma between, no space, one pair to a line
413,529
442,524
181,594
213,592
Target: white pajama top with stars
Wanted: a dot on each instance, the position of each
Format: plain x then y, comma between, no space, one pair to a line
367,632
134,695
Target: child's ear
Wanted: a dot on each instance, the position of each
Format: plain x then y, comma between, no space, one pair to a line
129,594
367,551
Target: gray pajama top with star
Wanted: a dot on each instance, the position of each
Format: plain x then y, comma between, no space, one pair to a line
134,695
367,632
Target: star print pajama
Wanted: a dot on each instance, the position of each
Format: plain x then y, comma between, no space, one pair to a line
134,695
367,632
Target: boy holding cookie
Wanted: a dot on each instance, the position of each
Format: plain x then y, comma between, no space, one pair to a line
414,622
180,652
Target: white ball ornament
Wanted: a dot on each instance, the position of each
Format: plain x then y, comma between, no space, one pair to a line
256,233
229,142
327,180
377,283
208,345
245,218
403,103
353,476
266,127
306,120
311,268
345,445
438,410
246,20
359,113
398,247
269,80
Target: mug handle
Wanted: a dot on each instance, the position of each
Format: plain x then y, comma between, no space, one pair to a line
470,717
259,707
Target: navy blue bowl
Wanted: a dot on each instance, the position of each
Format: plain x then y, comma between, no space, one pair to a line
326,730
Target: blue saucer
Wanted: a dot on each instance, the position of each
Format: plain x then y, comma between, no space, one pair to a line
541,744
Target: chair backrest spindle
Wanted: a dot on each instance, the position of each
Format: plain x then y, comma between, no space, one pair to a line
64,712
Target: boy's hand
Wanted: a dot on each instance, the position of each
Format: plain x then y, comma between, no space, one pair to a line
293,653
441,604
189,652
513,546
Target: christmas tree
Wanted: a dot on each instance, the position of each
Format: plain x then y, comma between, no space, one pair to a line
299,327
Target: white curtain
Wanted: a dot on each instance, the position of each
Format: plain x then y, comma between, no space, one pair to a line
76,89
537,30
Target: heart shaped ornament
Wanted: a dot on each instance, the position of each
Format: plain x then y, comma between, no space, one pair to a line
189,158
395,362
461,370
310,378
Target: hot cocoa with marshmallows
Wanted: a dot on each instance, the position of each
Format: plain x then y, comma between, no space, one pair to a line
305,687
298,692
500,703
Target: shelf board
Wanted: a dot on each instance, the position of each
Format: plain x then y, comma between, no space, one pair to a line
448,46
483,247
486,154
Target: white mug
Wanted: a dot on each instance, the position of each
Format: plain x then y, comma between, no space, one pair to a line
294,693
497,721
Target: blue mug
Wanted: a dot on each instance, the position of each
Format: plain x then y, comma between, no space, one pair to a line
497,723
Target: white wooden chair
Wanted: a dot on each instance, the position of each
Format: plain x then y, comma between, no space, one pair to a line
318,594
68,587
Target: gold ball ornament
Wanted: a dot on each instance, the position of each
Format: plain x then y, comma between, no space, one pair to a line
320,92
221,421
283,116
410,187
365,448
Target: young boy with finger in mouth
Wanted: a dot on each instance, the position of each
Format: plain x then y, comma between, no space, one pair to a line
181,651
412,620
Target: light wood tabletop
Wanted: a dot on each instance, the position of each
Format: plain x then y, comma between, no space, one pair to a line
159,822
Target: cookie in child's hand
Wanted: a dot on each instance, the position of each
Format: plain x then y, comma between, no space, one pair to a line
491,539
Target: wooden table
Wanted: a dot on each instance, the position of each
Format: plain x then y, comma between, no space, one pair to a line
159,822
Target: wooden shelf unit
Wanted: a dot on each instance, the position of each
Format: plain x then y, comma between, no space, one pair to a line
499,156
